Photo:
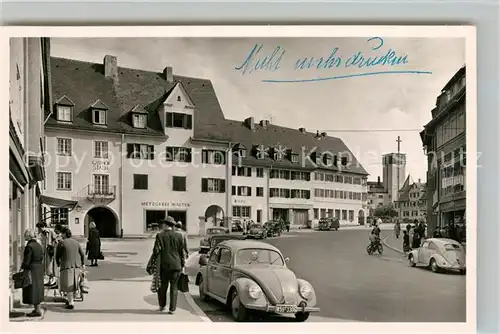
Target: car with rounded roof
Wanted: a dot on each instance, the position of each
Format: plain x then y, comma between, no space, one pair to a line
210,232
251,276
439,254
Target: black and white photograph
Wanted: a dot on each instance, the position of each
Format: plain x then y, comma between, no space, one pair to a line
242,175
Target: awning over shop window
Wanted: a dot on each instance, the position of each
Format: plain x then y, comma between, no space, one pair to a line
57,202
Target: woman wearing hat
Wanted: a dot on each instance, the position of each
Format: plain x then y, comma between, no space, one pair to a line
33,261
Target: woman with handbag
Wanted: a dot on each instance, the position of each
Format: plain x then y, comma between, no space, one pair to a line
33,265
93,248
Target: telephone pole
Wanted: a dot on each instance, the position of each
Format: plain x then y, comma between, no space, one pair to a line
398,163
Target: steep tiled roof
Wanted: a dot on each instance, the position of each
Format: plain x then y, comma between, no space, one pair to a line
84,83
274,135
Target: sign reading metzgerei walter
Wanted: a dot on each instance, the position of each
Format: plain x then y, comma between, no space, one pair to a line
166,204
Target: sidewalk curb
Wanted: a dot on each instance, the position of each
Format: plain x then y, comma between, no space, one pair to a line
391,247
197,310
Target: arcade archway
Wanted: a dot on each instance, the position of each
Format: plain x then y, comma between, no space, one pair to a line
105,220
361,217
214,215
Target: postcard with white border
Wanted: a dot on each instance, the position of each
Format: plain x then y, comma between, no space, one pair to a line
196,177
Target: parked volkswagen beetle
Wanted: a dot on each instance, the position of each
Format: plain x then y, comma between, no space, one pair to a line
252,275
439,254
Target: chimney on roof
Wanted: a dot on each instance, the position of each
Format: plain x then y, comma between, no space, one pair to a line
323,134
264,123
302,130
110,67
250,123
168,73
378,179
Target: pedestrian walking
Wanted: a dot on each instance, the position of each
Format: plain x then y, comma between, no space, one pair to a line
33,262
168,250
47,239
397,229
93,248
416,238
178,228
71,259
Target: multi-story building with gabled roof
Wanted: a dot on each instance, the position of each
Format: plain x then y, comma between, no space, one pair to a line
132,146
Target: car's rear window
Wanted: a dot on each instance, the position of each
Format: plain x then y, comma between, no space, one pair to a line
452,247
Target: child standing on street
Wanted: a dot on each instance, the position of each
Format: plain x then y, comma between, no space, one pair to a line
406,242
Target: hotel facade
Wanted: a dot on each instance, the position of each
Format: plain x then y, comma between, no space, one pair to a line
130,146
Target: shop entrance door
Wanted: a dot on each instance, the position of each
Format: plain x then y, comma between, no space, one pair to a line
179,216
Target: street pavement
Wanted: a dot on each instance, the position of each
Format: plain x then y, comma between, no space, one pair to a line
354,286
120,290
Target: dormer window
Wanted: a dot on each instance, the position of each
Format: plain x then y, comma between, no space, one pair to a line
327,159
139,121
294,157
64,113
279,152
64,109
99,112
344,161
243,152
99,116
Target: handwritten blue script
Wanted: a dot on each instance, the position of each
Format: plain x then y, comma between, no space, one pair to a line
380,60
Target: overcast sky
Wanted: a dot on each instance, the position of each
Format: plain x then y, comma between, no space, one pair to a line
378,102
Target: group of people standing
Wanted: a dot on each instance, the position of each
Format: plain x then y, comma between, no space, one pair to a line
55,260
415,234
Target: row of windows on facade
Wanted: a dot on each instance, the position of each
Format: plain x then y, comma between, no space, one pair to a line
139,119
340,194
453,172
329,213
410,204
451,128
329,177
411,214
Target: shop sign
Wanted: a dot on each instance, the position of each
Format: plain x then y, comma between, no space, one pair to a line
100,166
166,204
239,201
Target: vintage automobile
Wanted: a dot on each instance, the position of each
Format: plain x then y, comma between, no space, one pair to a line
273,228
236,226
256,231
439,254
328,224
252,276
205,241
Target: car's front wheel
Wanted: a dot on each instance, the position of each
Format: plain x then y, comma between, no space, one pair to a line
301,316
434,266
238,310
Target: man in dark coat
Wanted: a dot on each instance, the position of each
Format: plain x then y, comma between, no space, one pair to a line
170,245
33,262
93,245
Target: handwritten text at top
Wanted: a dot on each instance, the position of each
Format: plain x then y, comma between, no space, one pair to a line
260,60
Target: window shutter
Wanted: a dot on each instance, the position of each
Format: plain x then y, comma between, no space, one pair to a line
271,174
170,154
308,194
233,168
152,152
189,156
188,122
130,150
294,192
293,175
174,183
169,119
233,190
183,182
222,188
308,176
239,191
204,185
249,171
249,191
204,156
